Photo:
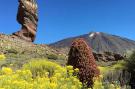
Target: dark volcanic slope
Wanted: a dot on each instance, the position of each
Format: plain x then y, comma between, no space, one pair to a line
100,42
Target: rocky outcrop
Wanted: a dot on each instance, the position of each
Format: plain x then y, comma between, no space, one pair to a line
28,18
108,56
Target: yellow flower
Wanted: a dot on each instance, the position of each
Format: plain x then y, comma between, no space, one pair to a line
53,79
2,57
73,87
62,79
46,74
28,72
112,86
77,70
24,72
58,75
63,86
18,71
69,67
71,71
6,70
2,88
26,79
53,85
67,79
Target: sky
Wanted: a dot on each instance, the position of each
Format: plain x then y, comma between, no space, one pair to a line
60,19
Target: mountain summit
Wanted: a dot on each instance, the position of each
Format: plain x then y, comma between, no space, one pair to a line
100,42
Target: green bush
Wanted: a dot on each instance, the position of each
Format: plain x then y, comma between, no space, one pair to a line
131,62
14,51
39,67
52,56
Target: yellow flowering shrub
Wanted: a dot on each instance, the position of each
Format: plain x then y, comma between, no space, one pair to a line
48,75
2,57
43,67
6,70
43,74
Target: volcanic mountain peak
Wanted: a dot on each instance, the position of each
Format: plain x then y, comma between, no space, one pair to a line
100,42
93,34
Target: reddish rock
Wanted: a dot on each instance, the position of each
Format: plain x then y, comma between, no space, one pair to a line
28,18
81,57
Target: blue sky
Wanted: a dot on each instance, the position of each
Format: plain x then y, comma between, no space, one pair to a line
59,19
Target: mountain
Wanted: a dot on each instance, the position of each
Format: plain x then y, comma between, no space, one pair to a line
100,43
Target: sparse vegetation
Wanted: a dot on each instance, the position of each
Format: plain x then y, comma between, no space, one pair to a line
52,56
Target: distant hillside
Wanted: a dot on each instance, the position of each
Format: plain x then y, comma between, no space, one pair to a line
100,42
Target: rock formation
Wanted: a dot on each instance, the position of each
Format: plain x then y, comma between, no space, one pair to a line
28,18
108,56
81,57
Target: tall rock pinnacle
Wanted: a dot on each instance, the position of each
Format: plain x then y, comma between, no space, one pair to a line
27,16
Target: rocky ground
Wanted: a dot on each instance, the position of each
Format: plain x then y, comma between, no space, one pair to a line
19,51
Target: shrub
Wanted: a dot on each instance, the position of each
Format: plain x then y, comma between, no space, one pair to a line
6,70
131,62
23,79
52,56
2,57
39,67
81,57
131,68
11,50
